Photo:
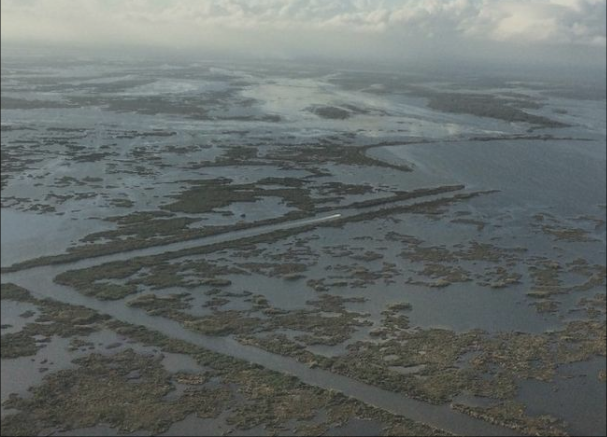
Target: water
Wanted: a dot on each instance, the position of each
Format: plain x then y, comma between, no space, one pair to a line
439,416
563,175
578,397
567,176
29,235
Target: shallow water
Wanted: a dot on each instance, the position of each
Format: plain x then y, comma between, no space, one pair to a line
563,175
578,397
440,416
29,235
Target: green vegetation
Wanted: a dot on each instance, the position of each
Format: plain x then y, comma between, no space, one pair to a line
485,105
131,392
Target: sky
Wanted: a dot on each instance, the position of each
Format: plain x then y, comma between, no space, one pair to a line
523,30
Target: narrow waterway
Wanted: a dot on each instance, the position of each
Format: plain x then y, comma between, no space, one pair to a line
40,283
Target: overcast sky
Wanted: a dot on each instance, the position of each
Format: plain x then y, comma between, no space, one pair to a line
397,29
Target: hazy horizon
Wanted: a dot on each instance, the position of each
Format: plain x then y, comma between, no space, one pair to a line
303,217
565,33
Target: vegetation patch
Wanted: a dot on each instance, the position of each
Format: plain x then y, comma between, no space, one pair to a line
485,105
133,392
54,319
100,391
512,415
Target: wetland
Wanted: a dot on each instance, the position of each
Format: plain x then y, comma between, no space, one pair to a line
278,249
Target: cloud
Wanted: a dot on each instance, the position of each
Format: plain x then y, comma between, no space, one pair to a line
577,22
315,24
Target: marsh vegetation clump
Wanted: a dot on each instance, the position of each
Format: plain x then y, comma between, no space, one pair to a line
100,391
131,391
53,319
